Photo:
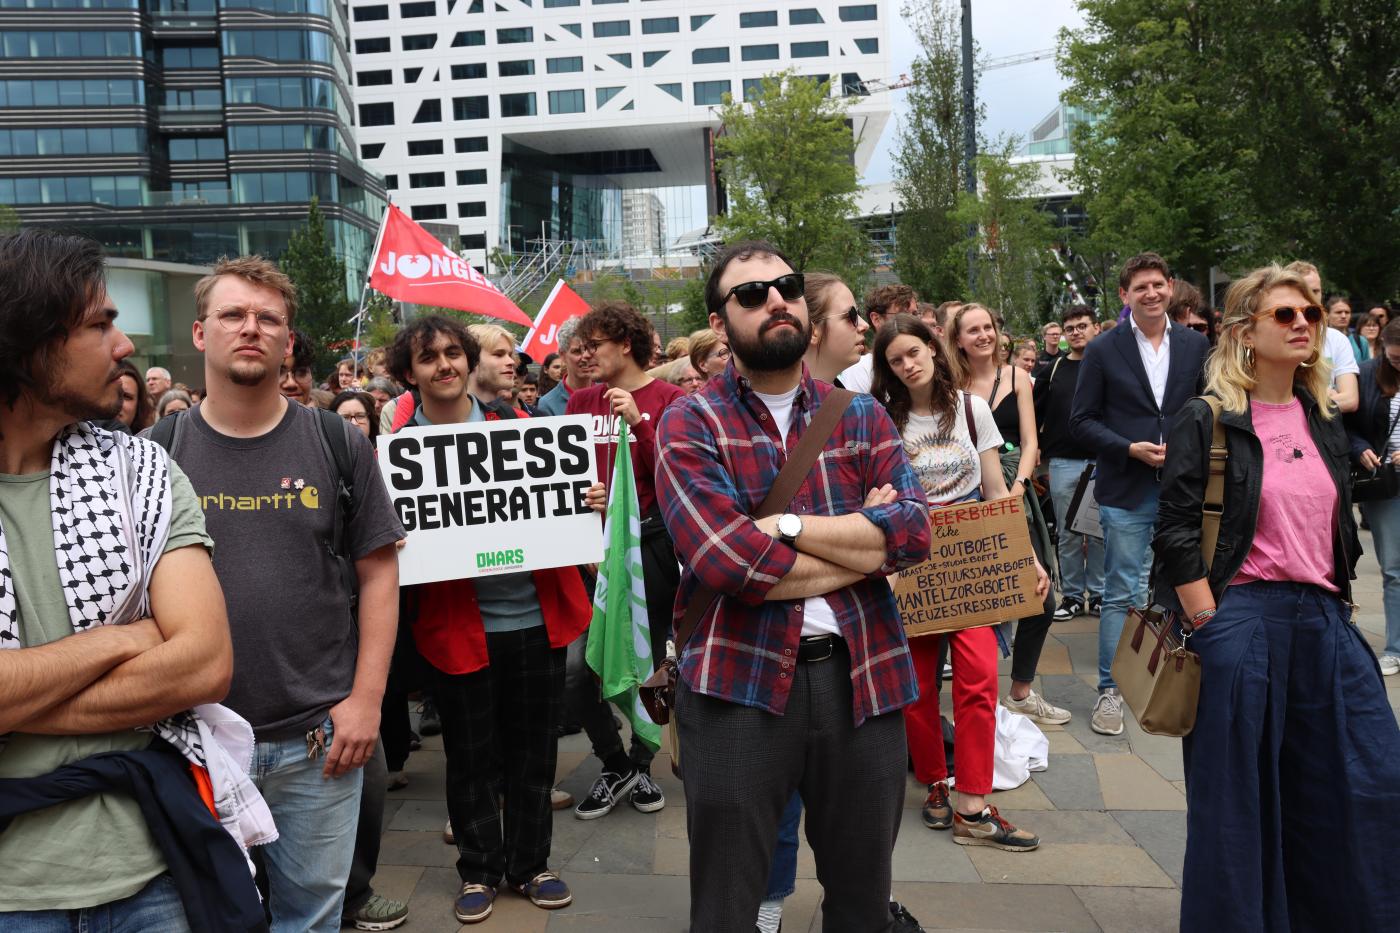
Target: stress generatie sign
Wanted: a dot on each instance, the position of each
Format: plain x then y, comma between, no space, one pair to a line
492,497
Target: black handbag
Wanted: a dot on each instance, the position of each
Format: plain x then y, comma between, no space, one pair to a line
1375,485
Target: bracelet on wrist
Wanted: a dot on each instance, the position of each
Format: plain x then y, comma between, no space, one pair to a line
1201,618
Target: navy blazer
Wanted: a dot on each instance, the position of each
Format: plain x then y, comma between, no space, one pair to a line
1114,407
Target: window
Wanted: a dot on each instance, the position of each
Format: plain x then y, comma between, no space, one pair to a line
417,10
377,114
373,78
427,180
651,27
469,144
808,49
515,36
611,28
759,53
92,92
622,58
471,209
371,150
559,66
556,4
187,57
200,98
429,111
370,46
419,42
369,14
410,75
574,28
201,149
470,37
711,92
279,44
852,84
606,94
756,20
428,211
858,14
76,141
517,69
868,46
391,182
570,101
673,89
44,44
710,56
697,21
753,87
469,108
518,105
651,58
468,71
471,176
804,17
424,147
475,240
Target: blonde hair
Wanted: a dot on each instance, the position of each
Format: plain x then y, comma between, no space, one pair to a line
677,348
702,344
957,357
1230,368
1303,268
254,269
488,335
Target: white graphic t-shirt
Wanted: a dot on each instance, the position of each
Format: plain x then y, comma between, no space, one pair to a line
946,462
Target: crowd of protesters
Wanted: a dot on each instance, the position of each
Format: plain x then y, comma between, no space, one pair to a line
270,651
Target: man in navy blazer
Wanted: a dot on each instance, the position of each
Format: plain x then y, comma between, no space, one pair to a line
1133,381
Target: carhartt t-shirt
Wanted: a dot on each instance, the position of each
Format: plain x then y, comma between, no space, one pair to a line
269,503
96,849
1297,503
948,464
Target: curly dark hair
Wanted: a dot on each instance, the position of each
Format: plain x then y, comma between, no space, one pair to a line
714,298
894,394
887,297
303,351
421,333
48,282
620,322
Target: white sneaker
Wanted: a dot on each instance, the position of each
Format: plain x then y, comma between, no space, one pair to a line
1036,707
1390,664
1108,713
447,835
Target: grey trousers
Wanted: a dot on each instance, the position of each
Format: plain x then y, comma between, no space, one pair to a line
741,766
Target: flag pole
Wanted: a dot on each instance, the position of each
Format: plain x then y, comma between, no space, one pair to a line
364,290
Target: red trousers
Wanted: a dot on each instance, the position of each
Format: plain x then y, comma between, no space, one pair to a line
973,652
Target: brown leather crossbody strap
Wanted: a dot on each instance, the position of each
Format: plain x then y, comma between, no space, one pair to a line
1213,502
790,478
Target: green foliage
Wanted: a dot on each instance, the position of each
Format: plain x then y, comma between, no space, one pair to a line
1012,241
9,219
928,157
693,315
380,326
786,158
322,306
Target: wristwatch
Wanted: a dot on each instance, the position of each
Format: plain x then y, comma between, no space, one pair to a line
789,527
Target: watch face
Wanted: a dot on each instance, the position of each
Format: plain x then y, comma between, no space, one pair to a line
789,526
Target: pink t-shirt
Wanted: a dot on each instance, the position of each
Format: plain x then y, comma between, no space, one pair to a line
1297,504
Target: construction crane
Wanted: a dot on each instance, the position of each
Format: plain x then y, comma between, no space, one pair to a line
1024,58
880,85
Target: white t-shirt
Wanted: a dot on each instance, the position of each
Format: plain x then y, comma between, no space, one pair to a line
818,618
1338,350
860,375
948,465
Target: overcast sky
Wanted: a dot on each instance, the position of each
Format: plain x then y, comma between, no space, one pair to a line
1016,97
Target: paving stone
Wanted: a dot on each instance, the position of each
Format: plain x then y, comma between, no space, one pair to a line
1030,907
397,882
1071,782
1079,625
1129,783
1077,696
624,902
420,816
672,846
626,847
426,772
1028,796
1132,910
426,849
1160,833
1061,742
1071,827
923,854
1054,658
1068,863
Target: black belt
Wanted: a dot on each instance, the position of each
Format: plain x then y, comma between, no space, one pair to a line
816,647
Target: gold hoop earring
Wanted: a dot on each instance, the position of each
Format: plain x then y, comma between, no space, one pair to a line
1249,357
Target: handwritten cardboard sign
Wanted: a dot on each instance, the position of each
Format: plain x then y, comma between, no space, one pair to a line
981,570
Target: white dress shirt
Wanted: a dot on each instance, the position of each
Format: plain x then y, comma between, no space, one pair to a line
1157,361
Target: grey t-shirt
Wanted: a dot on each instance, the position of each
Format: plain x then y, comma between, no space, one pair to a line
269,505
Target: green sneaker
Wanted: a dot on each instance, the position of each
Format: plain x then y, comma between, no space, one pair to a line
377,913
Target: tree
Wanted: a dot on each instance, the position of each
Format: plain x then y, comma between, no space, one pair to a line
928,157
9,219
787,161
323,309
1013,238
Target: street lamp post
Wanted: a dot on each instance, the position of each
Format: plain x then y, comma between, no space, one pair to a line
969,138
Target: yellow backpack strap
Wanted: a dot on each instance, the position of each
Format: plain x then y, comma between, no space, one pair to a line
1214,502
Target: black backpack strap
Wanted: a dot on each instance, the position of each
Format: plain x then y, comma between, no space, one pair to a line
163,432
335,444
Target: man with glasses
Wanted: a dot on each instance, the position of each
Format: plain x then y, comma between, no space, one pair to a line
1336,347
618,342
880,305
294,375
309,670
578,370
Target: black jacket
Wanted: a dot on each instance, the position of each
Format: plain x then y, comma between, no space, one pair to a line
1369,425
1178,540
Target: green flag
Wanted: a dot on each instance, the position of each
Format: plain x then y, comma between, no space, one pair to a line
619,637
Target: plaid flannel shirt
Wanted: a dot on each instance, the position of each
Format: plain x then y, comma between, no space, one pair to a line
718,455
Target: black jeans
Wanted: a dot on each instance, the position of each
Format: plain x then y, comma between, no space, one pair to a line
499,732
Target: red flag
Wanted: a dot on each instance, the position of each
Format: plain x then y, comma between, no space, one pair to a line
413,265
563,303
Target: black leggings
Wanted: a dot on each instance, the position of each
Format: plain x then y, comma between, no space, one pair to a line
1031,631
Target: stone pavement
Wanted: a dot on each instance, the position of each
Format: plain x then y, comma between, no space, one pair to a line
1110,812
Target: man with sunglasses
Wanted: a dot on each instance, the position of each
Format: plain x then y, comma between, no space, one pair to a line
797,674
1131,385
881,304
1336,348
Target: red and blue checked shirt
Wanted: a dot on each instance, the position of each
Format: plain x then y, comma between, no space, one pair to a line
718,455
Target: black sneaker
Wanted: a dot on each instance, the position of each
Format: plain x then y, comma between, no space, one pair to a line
904,921
647,796
606,792
1069,608
1095,606
430,723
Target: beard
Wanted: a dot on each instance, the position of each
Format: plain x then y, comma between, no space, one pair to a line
247,373
99,406
772,352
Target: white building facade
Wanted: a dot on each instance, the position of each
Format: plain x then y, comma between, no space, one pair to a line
520,119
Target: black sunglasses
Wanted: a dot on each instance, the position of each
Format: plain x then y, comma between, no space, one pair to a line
1203,327
754,294
853,315
1285,315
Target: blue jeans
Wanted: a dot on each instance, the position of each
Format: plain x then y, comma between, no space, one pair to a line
782,875
1077,575
155,907
316,817
1127,559
1384,519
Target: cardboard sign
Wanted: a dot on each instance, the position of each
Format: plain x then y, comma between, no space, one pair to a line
981,570
492,497
1084,508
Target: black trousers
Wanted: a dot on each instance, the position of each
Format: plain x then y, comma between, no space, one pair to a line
741,766
499,731
1031,631
368,833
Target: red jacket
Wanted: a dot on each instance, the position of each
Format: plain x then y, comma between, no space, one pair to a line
446,619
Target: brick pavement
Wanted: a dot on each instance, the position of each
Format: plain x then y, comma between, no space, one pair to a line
1110,812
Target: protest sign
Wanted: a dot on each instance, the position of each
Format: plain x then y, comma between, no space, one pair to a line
981,570
492,497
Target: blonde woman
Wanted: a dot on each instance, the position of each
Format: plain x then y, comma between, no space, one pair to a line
1293,768
708,353
838,329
